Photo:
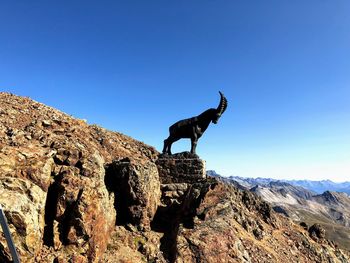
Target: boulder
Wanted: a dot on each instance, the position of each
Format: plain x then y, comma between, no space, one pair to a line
317,232
137,191
25,174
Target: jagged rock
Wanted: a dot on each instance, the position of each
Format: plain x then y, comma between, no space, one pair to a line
173,194
214,237
137,191
317,232
52,181
24,179
84,209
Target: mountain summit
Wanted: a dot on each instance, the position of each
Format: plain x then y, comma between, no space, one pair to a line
74,192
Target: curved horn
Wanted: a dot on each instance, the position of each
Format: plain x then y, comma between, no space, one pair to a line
223,104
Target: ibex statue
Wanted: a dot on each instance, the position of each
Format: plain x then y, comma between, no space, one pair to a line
193,128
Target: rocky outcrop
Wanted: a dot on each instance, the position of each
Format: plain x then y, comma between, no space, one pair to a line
24,182
74,192
317,232
137,191
52,181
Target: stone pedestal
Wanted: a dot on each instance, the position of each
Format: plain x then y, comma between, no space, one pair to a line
180,168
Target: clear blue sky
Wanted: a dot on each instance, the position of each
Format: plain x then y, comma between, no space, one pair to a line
139,66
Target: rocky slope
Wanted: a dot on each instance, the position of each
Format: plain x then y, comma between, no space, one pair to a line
330,209
79,193
52,185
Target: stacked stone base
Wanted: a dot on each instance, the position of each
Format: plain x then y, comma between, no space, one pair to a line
180,168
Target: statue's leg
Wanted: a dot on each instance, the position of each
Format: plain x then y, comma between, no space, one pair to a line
169,145
165,145
169,148
193,145
171,140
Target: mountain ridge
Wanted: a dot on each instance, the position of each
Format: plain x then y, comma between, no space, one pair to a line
316,186
330,209
74,192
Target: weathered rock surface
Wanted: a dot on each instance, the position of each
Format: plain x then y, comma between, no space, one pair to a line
74,192
317,232
25,178
137,191
52,181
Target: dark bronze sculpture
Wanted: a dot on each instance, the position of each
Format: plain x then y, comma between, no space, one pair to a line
193,128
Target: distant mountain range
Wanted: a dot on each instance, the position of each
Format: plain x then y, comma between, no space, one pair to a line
322,186
304,201
316,186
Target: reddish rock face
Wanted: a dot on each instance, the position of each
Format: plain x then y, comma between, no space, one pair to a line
52,181
79,193
137,191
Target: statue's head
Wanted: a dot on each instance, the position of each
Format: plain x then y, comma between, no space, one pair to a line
220,109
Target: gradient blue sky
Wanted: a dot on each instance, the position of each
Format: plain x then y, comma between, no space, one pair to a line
138,66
